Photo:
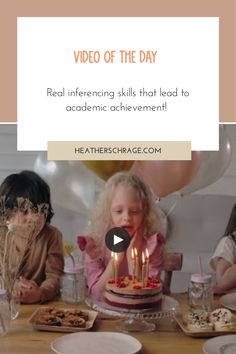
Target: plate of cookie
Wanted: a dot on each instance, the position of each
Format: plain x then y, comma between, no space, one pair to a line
57,319
207,324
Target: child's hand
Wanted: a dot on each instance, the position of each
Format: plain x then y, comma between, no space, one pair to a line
218,291
26,291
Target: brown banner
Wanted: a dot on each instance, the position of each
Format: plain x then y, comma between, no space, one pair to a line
119,150
12,9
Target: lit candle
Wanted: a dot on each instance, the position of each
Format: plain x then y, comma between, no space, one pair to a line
147,265
115,260
133,264
136,264
113,265
143,269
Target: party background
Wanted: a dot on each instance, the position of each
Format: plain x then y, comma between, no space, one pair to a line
195,196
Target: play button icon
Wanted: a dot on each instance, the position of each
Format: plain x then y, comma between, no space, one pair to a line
117,239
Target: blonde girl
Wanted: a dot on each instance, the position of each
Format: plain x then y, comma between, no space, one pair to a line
128,203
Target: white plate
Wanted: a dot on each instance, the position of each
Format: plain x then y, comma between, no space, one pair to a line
96,343
229,301
220,345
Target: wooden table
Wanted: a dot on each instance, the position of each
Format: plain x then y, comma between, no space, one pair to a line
167,339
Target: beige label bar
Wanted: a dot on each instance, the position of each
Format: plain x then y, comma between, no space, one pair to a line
119,150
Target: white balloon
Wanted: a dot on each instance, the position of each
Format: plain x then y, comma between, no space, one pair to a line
72,186
213,165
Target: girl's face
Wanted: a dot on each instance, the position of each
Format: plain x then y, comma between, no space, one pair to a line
126,208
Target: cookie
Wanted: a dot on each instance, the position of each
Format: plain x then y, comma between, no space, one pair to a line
200,326
224,326
73,321
198,315
58,312
220,315
78,313
48,320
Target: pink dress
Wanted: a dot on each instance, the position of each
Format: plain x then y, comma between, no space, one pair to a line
94,268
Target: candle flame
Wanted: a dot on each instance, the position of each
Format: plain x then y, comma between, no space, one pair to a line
132,253
135,252
143,258
147,253
116,257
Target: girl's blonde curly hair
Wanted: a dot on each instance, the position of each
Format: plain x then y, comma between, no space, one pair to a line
101,218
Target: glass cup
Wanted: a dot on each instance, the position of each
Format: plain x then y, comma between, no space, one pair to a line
14,308
73,284
200,293
4,312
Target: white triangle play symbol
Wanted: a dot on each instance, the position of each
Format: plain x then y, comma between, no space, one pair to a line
117,239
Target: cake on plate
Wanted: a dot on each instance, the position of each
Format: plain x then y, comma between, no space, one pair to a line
127,294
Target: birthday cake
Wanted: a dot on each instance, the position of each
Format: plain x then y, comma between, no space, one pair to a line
129,294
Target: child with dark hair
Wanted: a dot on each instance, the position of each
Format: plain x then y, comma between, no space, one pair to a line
223,260
39,274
